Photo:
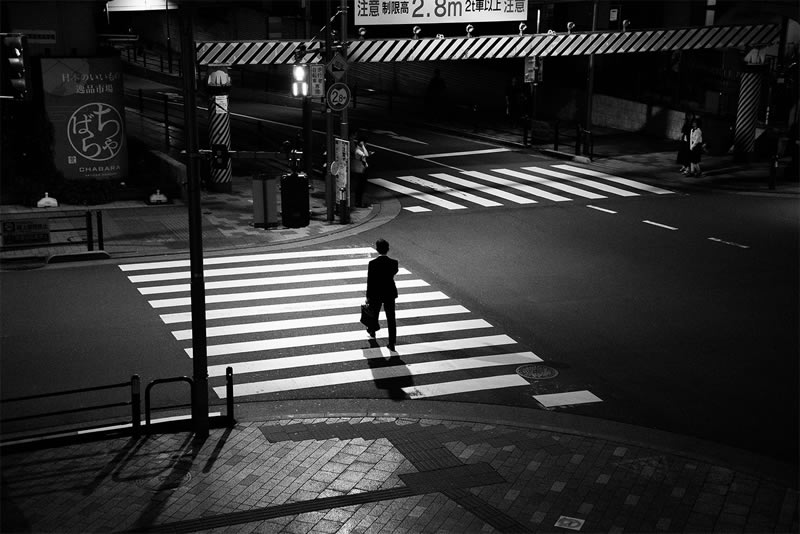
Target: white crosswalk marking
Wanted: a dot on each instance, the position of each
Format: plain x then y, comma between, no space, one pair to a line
622,181
469,197
583,181
483,188
289,321
550,183
430,199
525,186
535,191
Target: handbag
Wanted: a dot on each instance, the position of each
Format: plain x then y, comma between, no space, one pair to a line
368,318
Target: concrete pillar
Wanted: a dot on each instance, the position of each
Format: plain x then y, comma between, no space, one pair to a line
749,97
219,125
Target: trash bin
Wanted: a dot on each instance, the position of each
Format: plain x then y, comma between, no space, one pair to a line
294,200
265,201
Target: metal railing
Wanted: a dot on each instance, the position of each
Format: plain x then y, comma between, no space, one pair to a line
134,402
89,228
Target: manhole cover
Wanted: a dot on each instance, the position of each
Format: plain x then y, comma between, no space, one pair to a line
536,371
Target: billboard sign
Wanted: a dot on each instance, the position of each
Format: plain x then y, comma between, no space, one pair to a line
84,100
372,12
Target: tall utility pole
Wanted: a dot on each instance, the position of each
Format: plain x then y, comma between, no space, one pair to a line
197,285
344,131
590,82
330,183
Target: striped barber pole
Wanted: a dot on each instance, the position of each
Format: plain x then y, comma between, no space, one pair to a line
495,47
219,132
744,140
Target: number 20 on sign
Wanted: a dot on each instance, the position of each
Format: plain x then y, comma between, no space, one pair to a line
338,96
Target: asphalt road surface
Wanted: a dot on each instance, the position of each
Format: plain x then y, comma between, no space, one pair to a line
670,309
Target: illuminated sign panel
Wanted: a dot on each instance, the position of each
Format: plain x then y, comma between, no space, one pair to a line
438,11
84,100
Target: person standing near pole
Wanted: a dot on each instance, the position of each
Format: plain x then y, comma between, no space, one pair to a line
381,289
358,167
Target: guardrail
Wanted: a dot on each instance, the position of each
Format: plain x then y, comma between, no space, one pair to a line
25,231
134,403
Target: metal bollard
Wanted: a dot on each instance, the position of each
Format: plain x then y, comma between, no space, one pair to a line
100,230
136,405
89,232
229,395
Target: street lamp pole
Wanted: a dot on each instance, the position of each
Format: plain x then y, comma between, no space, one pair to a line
197,285
590,85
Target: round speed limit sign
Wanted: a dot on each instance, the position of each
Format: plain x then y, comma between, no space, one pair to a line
338,96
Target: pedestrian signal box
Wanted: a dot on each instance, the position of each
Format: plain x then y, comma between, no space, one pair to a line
300,80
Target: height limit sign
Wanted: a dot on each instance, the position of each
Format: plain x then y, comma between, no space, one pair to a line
338,96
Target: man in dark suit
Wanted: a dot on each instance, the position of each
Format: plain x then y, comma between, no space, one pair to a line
381,289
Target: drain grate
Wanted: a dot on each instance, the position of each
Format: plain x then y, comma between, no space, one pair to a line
536,371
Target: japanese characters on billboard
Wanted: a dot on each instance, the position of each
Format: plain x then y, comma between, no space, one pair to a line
438,11
84,100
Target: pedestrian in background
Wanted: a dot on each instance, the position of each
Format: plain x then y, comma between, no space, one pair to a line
683,148
695,149
381,289
359,166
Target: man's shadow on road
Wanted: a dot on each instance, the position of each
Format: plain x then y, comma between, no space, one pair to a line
391,374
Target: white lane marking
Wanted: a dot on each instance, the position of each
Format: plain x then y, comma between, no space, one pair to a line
338,337
430,199
535,191
551,183
312,322
279,293
271,256
566,399
731,243
659,225
601,209
416,209
253,269
294,307
583,181
265,281
378,373
398,136
464,153
463,195
483,188
463,386
622,181
326,358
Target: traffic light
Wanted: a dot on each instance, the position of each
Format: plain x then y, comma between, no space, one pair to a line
219,156
16,70
300,77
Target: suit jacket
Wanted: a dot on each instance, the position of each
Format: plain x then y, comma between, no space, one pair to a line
380,279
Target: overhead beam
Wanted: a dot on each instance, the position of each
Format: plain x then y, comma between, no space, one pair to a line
282,52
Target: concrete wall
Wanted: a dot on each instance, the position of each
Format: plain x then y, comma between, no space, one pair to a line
628,115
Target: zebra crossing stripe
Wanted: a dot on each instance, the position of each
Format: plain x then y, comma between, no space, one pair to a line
295,307
242,347
622,181
254,269
583,181
550,183
326,358
483,188
266,281
535,191
280,293
464,386
430,199
271,256
463,195
312,322
378,373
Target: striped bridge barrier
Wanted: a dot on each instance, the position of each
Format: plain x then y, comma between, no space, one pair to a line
492,47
